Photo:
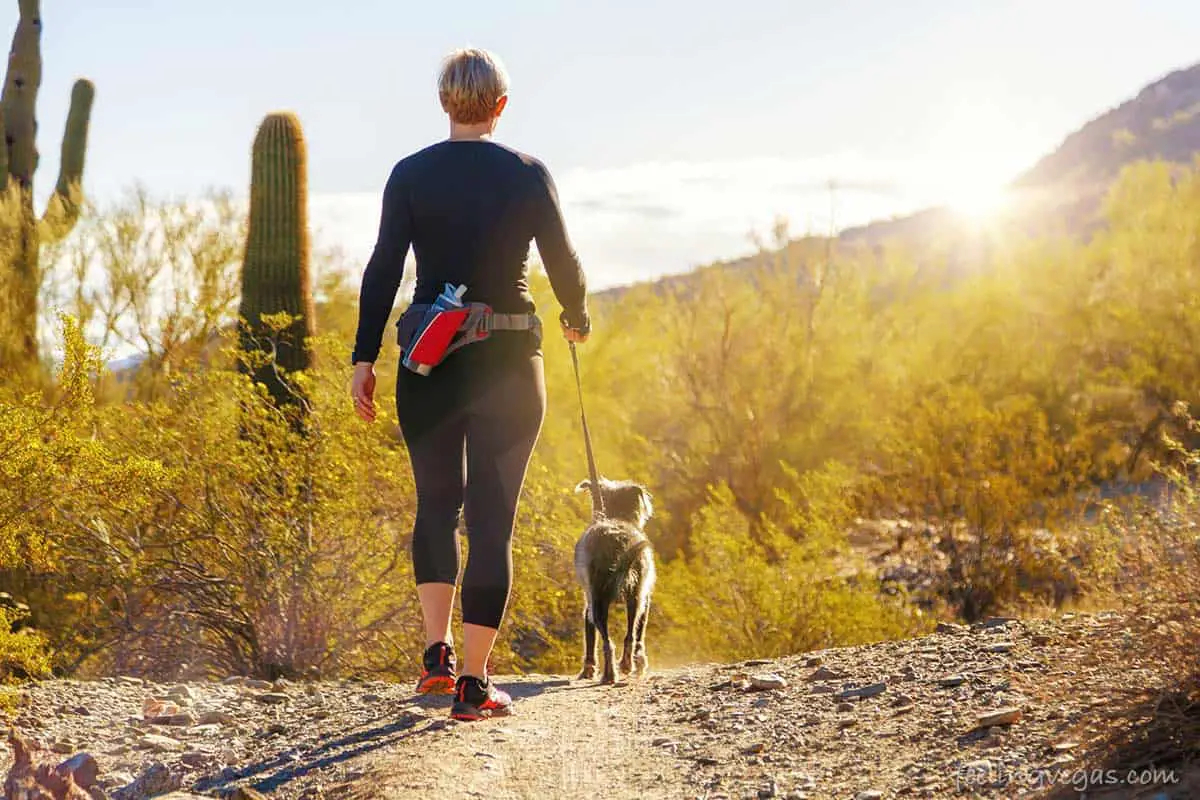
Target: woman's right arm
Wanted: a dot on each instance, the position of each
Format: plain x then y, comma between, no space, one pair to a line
558,255
385,270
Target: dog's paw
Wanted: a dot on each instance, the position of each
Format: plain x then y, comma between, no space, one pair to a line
587,673
610,678
626,665
641,665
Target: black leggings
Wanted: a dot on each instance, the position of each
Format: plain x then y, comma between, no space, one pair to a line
470,427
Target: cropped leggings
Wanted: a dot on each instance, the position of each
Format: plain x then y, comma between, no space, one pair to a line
470,428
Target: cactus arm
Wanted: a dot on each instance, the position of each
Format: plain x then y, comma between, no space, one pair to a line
62,211
19,98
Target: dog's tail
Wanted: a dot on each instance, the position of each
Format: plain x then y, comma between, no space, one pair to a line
607,583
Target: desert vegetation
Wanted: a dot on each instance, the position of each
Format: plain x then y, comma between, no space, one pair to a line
844,444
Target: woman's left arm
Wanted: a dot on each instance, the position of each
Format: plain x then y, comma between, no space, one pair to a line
385,269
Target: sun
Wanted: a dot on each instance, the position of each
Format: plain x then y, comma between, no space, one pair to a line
979,203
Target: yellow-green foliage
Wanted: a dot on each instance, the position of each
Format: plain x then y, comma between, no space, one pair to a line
767,408
24,654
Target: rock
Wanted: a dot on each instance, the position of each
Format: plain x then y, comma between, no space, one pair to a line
82,768
1000,647
996,622
156,780
1063,747
272,698
863,692
950,681
160,744
821,689
62,748
179,720
1000,716
754,749
131,681
257,685
824,674
844,707
196,759
183,694
767,682
215,718
244,793
814,661
869,794
950,628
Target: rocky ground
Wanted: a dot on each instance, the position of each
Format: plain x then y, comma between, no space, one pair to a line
1003,709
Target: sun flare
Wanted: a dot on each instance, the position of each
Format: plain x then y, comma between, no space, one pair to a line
979,203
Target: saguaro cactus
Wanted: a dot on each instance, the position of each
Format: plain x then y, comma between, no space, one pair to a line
275,272
21,232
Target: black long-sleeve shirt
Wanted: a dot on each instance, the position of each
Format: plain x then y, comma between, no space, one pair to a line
469,209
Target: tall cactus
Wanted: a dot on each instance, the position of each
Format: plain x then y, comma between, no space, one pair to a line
275,271
21,231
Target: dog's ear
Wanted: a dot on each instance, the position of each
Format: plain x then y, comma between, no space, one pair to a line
647,502
584,484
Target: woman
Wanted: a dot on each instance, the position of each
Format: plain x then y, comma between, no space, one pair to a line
469,207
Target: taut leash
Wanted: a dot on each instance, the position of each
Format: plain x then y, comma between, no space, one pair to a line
593,474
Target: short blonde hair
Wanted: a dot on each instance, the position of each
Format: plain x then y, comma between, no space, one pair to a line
472,81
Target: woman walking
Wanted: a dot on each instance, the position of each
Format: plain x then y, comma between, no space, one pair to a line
469,207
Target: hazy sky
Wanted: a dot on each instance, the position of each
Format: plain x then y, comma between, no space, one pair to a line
672,128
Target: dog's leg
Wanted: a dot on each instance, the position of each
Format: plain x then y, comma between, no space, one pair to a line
631,614
641,661
589,647
600,617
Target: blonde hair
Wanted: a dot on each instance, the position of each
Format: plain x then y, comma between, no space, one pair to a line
472,81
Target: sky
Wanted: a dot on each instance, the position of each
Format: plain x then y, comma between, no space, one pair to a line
673,129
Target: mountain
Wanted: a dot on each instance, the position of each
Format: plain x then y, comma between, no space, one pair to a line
1063,191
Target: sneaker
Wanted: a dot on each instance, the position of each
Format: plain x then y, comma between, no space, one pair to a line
438,675
475,699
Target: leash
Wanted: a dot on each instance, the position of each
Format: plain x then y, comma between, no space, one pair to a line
593,474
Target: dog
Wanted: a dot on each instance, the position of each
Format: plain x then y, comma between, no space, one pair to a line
615,561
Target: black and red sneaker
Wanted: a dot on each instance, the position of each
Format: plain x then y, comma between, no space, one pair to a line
476,699
438,675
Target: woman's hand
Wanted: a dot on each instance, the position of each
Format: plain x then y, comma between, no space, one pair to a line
362,389
573,334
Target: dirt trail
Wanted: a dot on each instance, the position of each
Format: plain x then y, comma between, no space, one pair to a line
1004,709
565,740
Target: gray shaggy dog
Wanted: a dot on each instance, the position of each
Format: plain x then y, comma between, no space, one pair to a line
614,561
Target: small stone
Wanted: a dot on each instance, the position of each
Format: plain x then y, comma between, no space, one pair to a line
196,759
844,707
950,681
179,720
62,748
950,628
822,689
996,622
824,674
814,661
244,793
130,681
664,741
767,682
215,718
1063,747
869,794
863,692
1000,647
1001,716
754,749
160,744
272,698
1041,639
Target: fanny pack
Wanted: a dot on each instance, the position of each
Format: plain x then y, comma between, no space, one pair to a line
448,325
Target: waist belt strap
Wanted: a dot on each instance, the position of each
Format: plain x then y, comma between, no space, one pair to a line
512,322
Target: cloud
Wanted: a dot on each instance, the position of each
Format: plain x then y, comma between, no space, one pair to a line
641,221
